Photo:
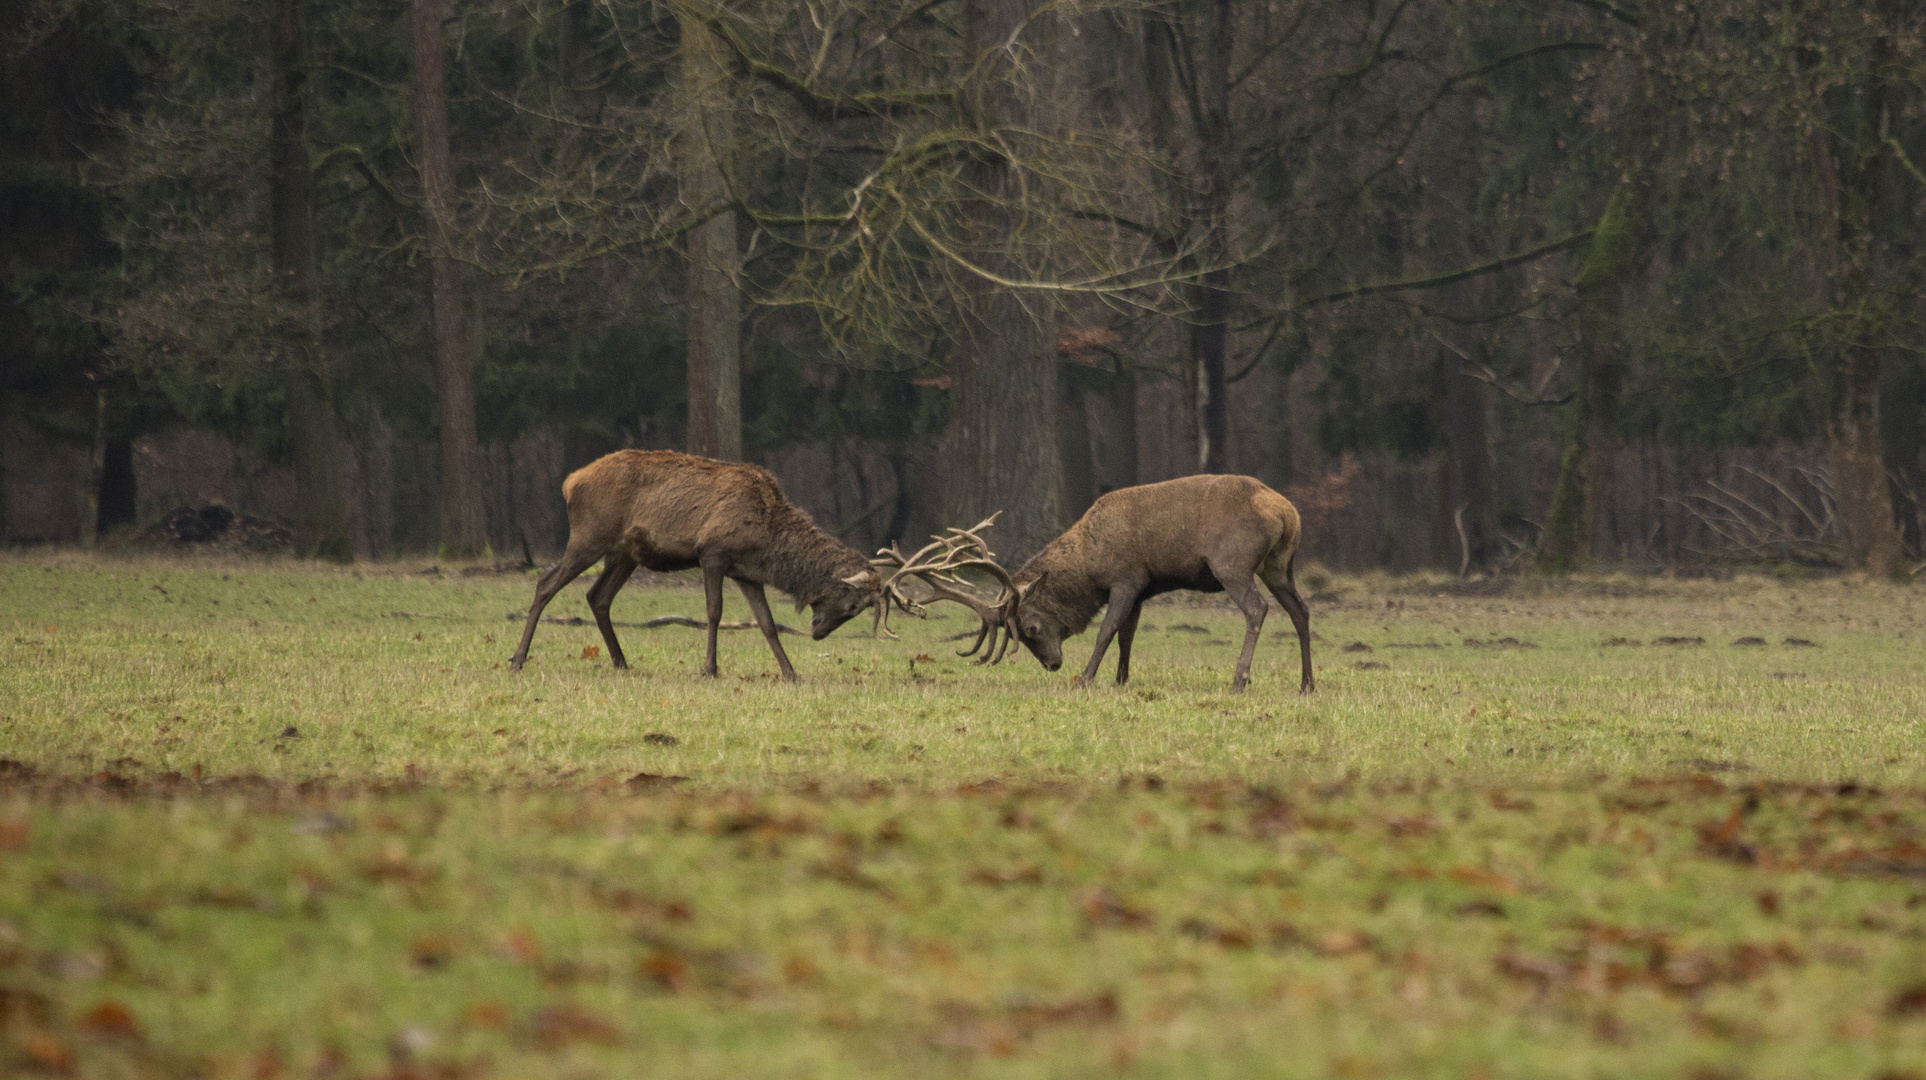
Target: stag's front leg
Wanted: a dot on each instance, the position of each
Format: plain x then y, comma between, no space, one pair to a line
712,593
1126,635
759,603
1123,601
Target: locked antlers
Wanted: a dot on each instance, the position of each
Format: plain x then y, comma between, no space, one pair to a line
936,565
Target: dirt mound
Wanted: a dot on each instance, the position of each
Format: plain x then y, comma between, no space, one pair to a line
215,525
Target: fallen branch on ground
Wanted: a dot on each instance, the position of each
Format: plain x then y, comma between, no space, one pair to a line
659,620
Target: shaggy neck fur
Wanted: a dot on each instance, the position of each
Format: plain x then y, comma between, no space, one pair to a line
806,562
1067,597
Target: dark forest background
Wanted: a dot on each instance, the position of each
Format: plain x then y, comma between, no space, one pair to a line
1481,285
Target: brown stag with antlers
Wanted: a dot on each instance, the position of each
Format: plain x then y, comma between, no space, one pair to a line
1202,533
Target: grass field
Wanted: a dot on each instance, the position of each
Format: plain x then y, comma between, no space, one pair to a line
259,819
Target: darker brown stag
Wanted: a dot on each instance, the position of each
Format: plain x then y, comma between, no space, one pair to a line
1202,533
663,511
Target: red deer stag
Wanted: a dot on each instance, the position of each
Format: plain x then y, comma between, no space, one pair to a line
1204,533
664,511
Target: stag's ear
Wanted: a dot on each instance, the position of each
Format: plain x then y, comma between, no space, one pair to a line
1024,591
864,579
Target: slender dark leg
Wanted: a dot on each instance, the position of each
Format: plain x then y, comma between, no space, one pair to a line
712,592
759,603
574,561
1284,587
615,573
1126,634
1242,590
1123,600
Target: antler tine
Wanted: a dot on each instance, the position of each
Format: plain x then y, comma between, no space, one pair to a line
892,593
936,564
988,614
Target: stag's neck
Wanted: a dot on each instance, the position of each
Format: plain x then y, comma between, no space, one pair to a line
805,562
1070,591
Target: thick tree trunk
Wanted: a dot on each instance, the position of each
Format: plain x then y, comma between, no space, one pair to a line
1002,437
1571,526
464,529
118,496
1870,262
1120,440
1073,441
320,489
1868,536
715,315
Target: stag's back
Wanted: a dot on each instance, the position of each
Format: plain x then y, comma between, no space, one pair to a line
670,502
1171,528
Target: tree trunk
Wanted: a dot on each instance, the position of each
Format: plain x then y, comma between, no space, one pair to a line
320,489
1210,338
1854,177
1868,536
1073,440
715,315
1120,441
1571,526
464,529
1469,513
119,499
1002,436
96,467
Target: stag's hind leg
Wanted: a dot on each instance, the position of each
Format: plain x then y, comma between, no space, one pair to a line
574,560
1283,585
615,574
1241,587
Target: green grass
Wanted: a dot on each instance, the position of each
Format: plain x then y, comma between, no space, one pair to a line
1573,859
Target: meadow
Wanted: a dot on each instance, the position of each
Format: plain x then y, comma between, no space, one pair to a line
264,819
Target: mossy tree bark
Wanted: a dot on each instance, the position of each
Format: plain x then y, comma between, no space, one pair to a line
1571,527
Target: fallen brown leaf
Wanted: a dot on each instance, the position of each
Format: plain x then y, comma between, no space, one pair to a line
1106,908
1483,879
666,968
1028,874
554,1026
45,1052
109,1020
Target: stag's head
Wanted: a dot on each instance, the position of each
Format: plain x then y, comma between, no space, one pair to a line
1037,625
844,600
